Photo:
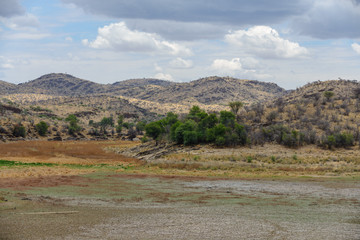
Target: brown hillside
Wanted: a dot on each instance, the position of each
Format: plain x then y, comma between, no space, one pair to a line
211,90
7,88
309,111
208,91
61,85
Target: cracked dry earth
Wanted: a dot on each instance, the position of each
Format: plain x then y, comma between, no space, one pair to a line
120,206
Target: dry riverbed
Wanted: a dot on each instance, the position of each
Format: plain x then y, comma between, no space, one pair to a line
82,191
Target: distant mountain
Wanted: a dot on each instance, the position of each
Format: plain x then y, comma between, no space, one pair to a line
7,88
60,84
210,90
214,90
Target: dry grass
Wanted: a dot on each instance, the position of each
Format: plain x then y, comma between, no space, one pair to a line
71,152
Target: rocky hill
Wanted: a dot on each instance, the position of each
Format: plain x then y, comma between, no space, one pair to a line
61,85
211,90
217,90
317,110
7,88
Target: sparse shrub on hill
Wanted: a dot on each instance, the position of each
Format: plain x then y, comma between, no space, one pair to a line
338,140
105,123
73,127
42,128
328,95
19,130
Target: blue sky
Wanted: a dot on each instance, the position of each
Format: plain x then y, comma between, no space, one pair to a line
290,43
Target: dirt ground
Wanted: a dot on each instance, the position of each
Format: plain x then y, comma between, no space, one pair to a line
120,206
62,202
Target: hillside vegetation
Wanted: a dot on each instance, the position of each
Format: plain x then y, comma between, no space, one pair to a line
322,113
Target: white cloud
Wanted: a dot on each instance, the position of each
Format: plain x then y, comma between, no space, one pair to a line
181,63
265,42
235,68
164,76
227,67
118,37
356,47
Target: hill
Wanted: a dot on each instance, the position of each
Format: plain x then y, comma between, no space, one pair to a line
217,90
209,91
317,110
60,84
7,88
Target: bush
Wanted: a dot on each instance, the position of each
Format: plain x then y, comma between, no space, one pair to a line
73,124
190,138
42,128
153,130
227,118
220,141
19,130
338,140
189,125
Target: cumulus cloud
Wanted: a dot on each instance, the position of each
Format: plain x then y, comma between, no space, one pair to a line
9,8
164,76
227,66
356,47
235,68
265,42
118,37
181,63
330,19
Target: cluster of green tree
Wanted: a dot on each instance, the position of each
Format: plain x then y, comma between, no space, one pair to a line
225,129
199,127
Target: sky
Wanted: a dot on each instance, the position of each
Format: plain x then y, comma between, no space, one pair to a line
290,43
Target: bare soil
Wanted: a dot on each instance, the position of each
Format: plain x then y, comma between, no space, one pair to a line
120,206
89,203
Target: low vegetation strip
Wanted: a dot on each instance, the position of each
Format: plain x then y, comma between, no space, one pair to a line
33,164
42,164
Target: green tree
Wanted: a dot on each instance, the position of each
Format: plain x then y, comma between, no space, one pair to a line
189,125
196,114
227,118
42,128
154,130
73,124
190,138
106,122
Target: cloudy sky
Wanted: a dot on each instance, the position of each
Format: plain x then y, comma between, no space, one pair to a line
287,42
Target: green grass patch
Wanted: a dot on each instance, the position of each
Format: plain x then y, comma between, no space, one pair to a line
16,163
6,163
